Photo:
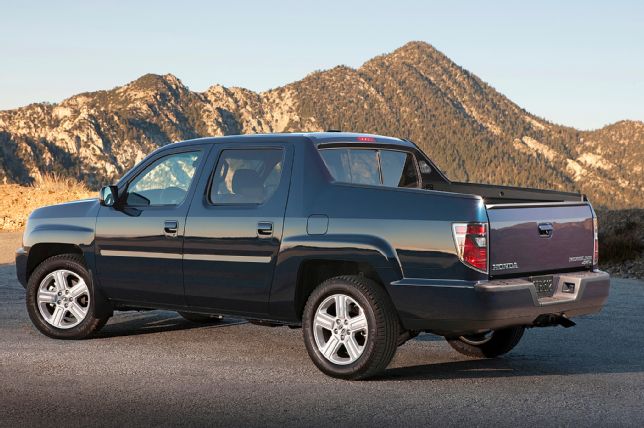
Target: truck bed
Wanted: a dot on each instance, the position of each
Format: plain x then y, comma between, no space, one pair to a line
493,194
533,231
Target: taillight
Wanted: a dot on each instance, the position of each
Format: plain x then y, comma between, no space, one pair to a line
471,244
596,248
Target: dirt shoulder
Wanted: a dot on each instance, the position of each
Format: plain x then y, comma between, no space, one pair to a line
17,202
9,242
621,242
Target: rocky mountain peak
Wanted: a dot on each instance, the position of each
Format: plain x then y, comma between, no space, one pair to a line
156,82
470,130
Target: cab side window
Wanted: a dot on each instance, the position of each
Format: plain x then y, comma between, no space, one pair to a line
246,176
165,182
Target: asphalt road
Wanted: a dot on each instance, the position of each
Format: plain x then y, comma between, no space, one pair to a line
154,368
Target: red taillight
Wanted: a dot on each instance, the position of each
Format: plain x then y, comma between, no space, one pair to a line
366,139
596,245
471,244
476,229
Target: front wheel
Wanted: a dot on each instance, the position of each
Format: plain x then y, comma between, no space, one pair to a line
350,327
61,299
489,344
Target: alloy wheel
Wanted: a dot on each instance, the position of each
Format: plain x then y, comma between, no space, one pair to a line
340,329
63,299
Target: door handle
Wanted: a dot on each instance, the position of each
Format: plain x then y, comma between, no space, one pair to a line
170,228
264,228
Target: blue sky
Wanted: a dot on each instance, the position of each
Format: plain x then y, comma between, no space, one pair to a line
578,63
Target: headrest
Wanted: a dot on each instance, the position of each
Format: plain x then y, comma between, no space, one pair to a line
248,184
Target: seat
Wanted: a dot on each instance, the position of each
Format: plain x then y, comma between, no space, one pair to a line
248,186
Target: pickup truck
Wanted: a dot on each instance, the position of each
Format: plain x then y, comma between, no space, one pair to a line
358,239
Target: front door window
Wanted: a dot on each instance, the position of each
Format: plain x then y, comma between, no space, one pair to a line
165,182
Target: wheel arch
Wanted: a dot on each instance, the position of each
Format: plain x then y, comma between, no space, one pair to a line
305,261
44,250
314,271
42,241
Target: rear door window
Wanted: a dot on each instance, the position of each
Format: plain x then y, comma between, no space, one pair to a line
372,166
246,176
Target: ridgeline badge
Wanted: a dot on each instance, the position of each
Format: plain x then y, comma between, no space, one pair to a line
585,260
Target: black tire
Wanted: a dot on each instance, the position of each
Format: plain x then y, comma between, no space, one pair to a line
91,323
201,318
500,342
383,327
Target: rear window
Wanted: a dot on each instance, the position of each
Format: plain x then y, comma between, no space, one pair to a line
398,169
372,166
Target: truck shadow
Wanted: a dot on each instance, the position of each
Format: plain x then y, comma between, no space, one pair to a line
508,367
128,324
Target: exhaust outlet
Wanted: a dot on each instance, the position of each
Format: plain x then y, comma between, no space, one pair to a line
566,322
552,320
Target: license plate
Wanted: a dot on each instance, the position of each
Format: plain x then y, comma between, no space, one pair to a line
543,284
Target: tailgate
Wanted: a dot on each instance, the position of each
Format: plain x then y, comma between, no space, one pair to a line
531,238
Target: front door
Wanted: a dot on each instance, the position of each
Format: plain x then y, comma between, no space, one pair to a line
139,241
234,228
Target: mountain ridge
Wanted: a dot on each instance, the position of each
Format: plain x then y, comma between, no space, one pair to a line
473,132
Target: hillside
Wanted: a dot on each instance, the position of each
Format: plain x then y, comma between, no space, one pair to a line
471,131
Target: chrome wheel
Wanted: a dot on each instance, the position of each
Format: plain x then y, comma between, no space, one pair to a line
340,329
477,339
63,299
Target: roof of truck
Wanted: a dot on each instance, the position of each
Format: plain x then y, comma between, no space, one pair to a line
315,137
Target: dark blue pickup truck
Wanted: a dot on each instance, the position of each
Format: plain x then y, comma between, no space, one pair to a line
359,239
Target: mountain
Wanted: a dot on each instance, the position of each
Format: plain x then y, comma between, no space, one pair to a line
470,130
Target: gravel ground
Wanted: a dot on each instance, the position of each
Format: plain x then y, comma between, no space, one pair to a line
154,368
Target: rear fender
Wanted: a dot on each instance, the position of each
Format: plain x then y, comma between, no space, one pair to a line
296,250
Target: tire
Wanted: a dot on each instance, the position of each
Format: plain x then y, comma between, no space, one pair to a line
201,318
494,344
61,299
368,349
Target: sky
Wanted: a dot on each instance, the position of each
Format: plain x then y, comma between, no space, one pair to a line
576,63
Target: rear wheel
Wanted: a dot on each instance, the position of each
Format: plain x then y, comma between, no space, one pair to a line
488,344
350,327
201,318
61,299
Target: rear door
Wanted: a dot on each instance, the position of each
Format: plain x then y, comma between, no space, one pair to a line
534,239
234,228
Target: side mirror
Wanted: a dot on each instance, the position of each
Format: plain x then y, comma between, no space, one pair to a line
108,196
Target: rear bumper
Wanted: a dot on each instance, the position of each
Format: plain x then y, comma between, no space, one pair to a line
463,307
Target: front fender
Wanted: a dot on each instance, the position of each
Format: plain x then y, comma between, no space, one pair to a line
59,234
55,229
45,240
